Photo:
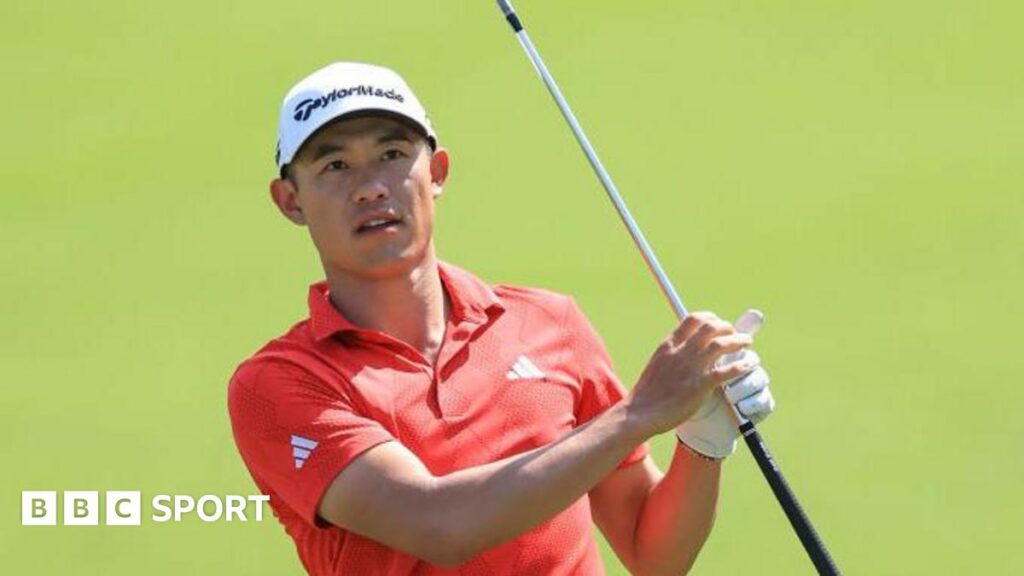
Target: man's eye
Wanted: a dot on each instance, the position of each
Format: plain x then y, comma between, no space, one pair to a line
336,165
393,154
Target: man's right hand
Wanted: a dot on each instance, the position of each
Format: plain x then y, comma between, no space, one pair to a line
682,372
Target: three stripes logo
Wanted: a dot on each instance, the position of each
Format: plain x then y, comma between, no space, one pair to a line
524,368
301,449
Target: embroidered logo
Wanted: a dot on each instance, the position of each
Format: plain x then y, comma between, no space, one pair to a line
303,109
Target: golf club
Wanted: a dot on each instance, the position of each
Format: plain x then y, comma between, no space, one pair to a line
787,499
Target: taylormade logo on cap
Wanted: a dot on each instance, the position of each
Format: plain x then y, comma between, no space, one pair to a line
305,108
340,89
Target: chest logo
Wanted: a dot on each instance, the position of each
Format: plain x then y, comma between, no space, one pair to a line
301,449
523,368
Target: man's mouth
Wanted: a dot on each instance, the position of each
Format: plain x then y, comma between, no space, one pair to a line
379,224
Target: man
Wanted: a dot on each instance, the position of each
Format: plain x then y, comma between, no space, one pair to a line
423,422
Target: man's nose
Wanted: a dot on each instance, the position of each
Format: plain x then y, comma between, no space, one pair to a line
372,189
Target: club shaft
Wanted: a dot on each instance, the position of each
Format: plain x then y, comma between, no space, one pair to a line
613,193
801,524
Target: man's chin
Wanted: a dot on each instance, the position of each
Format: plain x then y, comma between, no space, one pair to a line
387,266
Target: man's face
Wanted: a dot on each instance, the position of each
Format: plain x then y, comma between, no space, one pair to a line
365,187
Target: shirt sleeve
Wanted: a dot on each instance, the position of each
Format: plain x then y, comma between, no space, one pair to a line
295,432
601,388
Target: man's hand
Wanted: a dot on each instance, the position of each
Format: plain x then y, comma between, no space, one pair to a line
685,369
712,431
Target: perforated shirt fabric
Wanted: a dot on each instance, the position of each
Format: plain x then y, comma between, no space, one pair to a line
312,400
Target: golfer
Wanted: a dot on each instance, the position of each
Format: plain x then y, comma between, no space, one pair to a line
421,421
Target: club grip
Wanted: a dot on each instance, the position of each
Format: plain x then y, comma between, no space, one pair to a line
797,518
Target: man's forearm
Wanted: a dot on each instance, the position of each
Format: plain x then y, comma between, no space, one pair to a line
677,516
489,504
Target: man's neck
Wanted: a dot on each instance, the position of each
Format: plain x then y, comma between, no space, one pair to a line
413,307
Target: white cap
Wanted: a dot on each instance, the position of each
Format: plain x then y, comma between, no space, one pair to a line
341,89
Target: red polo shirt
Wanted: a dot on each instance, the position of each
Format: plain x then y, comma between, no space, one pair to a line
518,368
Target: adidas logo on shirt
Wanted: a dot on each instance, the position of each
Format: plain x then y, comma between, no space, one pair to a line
301,448
524,368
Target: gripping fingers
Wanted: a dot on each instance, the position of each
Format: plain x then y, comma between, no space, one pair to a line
690,325
747,385
721,346
758,406
746,360
708,333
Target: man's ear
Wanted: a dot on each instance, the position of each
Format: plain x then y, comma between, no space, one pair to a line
439,164
286,198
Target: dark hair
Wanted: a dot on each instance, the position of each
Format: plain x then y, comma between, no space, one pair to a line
286,174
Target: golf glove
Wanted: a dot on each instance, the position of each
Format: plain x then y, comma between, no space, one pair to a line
711,431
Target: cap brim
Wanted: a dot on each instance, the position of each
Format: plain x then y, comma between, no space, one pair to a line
365,113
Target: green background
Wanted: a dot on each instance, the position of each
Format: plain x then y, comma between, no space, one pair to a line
853,169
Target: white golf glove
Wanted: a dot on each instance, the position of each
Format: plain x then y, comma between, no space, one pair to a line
711,431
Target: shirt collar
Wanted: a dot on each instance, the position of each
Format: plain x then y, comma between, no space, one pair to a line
473,301
324,318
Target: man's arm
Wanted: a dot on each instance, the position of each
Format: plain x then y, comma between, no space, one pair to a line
657,523
388,495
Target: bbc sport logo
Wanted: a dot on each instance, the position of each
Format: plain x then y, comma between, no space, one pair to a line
124,508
